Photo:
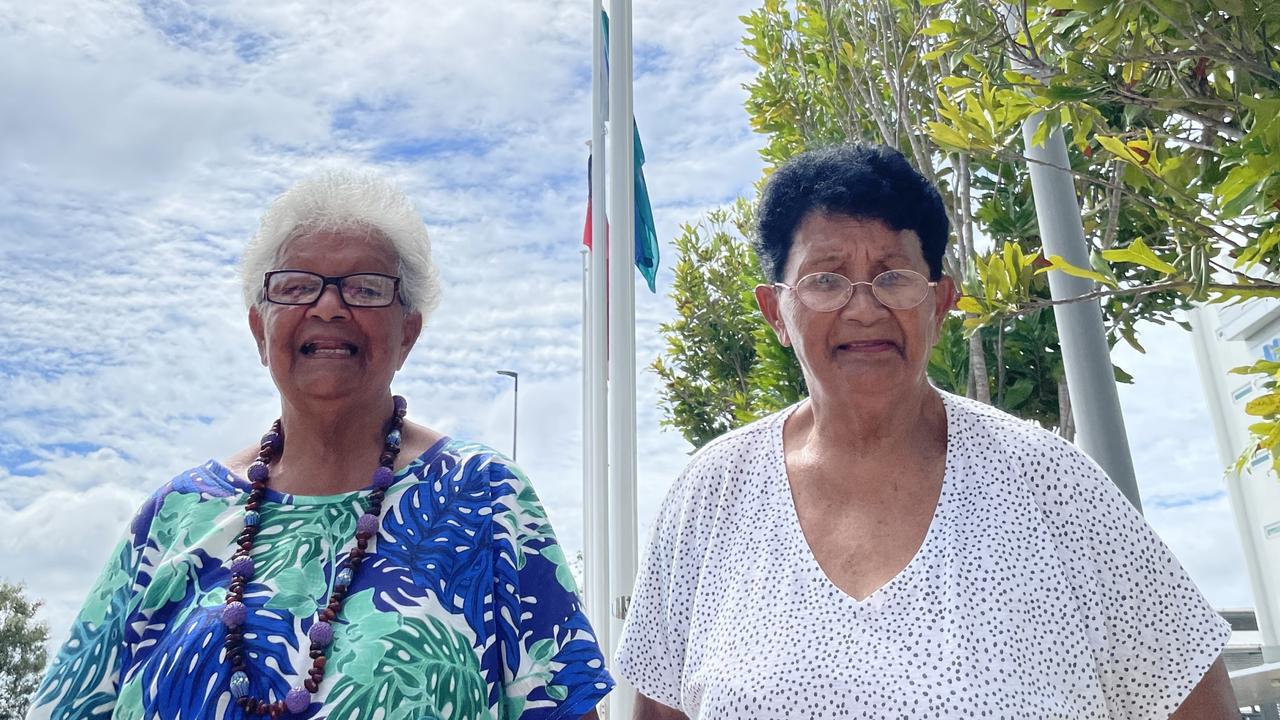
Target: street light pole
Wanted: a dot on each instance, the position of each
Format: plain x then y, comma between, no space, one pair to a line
515,407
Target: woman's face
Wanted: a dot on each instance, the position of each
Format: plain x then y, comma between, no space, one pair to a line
863,347
328,350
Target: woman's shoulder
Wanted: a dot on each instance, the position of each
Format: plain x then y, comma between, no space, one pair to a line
1058,473
207,488
730,459
985,428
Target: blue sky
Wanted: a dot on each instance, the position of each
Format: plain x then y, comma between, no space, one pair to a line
143,141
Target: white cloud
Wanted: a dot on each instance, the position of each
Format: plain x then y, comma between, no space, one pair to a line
59,543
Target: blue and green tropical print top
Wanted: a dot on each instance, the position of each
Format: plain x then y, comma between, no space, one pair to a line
464,607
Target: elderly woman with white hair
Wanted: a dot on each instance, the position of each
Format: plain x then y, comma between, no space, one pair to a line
352,564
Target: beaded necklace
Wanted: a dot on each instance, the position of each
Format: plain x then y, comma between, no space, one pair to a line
235,612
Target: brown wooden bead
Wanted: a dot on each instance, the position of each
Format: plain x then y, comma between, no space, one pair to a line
327,615
311,685
319,662
316,652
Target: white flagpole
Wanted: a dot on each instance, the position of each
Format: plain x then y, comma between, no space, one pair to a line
595,534
623,559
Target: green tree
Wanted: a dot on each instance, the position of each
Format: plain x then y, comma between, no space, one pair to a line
1170,110
22,650
722,366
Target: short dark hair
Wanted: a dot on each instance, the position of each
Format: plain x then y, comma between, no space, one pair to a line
869,182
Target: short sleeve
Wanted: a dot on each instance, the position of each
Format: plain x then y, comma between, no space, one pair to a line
1154,634
552,666
83,681
652,651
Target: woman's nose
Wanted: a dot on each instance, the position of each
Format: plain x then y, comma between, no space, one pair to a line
862,302
330,305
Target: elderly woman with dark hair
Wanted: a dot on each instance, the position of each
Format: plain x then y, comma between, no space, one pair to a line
353,564
883,549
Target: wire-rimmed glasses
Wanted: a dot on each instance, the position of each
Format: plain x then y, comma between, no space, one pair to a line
300,287
827,291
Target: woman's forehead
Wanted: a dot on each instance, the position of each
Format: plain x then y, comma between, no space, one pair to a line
357,248
835,238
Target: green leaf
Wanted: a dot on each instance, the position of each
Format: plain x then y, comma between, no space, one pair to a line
938,27
1067,93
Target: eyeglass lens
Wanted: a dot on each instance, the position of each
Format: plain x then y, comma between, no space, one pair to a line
304,288
897,289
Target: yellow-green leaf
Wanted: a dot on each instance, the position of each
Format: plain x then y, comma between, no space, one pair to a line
1264,405
948,136
1117,147
970,305
1057,263
1138,253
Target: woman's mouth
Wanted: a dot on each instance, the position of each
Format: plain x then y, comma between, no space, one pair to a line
868,346
329,349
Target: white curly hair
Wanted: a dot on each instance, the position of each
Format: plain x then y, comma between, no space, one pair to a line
337,200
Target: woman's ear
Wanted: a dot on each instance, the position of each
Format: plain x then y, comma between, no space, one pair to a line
412,329
256,326
767,299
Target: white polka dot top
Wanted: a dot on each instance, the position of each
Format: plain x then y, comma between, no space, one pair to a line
1038,593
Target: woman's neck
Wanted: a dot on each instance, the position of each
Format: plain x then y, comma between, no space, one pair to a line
330,448
900,424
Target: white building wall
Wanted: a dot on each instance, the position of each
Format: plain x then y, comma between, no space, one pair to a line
1225,338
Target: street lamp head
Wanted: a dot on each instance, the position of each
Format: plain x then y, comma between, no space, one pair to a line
509,373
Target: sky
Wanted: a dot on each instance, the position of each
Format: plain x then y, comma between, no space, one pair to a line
142,141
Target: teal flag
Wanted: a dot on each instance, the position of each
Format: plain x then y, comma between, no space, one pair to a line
646,230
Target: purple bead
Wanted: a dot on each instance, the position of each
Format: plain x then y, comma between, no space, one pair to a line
272,440
242,565
258,472
383,478
234,614
320,634
400,405
297,700
368,523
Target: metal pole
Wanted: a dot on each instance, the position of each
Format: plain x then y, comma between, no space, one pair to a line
622,353
1086,355
596,545
515,408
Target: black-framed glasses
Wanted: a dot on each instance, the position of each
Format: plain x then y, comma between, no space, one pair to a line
827,291
300,287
